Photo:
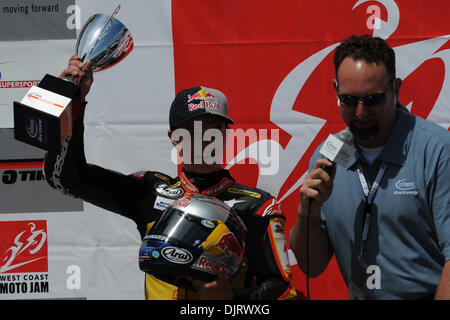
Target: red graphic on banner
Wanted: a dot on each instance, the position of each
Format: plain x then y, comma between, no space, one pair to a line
274,62
23,246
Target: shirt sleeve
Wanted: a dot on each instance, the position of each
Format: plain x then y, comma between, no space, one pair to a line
441,202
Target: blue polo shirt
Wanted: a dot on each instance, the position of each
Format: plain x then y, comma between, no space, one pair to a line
409,233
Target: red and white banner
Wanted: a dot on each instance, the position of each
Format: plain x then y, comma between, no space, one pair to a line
272,59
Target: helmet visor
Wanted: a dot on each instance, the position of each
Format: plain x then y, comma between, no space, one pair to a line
181,228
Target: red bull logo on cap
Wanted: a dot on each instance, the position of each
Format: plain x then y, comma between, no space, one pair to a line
230,245
200,95
203,105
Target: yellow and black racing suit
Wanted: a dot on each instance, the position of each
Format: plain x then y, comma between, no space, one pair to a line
142,197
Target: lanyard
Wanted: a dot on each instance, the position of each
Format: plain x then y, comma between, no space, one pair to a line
370,194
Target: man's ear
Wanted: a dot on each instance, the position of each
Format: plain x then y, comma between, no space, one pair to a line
336,90
335,85
396,89
397,85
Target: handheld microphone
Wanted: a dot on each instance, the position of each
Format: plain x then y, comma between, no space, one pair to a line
338,148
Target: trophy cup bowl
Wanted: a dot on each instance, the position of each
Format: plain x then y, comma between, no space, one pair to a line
104,41
43,118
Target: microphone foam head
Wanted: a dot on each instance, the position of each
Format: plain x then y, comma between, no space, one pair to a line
345,136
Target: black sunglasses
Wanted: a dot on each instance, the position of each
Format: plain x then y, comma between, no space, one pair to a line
368,101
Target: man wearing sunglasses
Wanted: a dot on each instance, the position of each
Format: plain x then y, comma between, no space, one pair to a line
386,215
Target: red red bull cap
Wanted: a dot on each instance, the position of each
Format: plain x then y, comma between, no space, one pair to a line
194,102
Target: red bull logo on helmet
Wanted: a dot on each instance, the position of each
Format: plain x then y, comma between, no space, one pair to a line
230,245
183,202
205,263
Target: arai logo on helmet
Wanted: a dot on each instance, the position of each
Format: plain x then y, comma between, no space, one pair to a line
208,223
177,255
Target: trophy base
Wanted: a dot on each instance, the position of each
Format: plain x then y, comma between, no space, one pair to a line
35,127
43,117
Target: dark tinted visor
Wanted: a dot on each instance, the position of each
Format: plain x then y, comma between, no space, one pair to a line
181,228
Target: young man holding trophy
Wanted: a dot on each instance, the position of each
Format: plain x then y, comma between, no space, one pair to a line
44,119
143,196
265,273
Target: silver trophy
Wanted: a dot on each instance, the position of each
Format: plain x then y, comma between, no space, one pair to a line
104,41
43,117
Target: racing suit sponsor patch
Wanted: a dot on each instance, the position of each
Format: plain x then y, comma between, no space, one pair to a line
166,191
244,192
162,203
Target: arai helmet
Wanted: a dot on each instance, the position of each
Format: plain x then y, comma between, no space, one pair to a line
191,236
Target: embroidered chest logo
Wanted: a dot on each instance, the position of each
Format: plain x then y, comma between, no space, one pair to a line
405,187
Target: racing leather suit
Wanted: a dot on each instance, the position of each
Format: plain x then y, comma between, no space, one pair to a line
142,197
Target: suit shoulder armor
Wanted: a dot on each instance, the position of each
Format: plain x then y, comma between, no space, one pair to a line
267,205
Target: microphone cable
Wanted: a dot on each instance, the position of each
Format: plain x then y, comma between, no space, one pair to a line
308,223
328,170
